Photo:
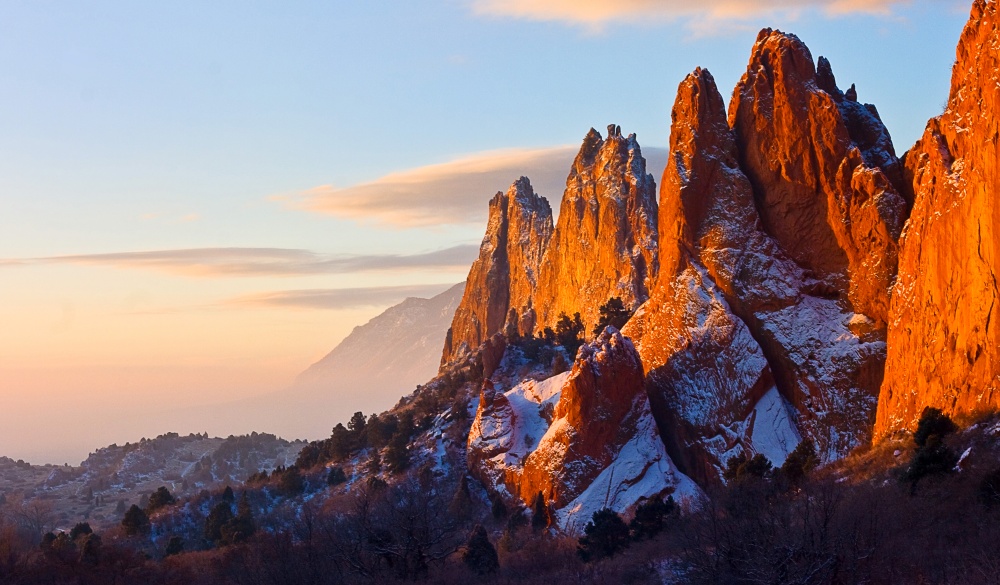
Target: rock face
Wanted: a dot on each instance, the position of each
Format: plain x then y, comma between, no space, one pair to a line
944,345
605,242
818,162
820,165
705,371
777,248
586,439
498,291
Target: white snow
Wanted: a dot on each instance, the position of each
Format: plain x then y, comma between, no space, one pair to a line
641,470
773,433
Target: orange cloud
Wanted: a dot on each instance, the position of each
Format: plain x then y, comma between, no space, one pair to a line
596,13
455,192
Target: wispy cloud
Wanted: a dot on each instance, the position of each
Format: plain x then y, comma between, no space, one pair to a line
450,193
337,298
222,262
594,14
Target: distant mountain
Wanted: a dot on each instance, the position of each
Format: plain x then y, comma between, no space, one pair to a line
370,370
389,355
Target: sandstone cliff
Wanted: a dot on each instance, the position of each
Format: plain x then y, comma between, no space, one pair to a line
498,292
604,244
944,342
777,250
705,371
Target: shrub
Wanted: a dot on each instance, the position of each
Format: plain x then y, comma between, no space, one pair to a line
989,488
175,546
933,425
650,517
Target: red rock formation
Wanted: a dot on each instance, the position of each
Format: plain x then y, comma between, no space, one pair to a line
821,167
705,371
604,244
591,421
743,303
944,340
498,291
815,158
586,438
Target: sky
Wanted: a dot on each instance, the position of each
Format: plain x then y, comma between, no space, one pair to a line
198,200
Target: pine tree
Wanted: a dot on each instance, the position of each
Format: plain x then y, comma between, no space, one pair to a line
540,517
569,332
336,476
135,521
242,526
220,515
290,482
81,529
613,313
397,455
800,462
933,425
604,535
159,499
480,554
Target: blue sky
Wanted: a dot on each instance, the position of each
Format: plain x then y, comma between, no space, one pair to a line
132,127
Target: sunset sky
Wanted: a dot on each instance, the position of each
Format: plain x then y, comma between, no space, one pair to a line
198,200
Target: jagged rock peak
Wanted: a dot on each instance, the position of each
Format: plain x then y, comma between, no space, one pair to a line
944,339
700,143
823,169
604,244
497,296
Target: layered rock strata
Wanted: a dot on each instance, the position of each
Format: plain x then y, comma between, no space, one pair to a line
605,241
498,291
944,321
778,229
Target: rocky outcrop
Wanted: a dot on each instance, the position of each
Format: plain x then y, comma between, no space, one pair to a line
605,241
821,167
705,371
585,439
498,292
777,249
944,341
